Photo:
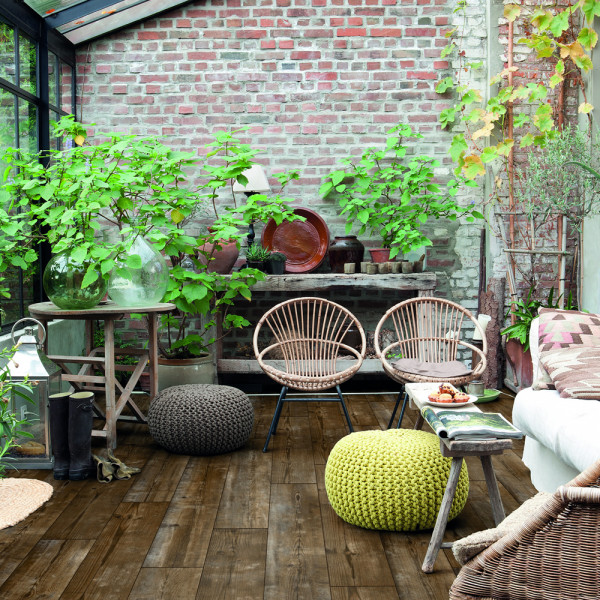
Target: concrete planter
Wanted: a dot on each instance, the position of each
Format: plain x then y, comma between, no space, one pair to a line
184,371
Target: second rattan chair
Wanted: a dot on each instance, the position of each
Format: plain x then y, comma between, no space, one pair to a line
419,340
303,344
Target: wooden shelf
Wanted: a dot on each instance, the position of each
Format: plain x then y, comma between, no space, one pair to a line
419,282
249,366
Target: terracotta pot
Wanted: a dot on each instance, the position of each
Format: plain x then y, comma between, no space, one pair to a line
223,259
345,249
380,255
520,362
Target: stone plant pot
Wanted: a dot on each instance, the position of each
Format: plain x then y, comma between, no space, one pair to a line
223,259
276,267
380,255
173,371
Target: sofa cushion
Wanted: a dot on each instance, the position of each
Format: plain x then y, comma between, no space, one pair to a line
575,371
567,328
451,368
567,427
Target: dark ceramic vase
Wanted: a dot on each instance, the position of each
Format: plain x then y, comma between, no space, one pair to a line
345,249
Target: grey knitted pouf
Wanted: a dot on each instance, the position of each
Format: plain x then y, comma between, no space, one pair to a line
201,419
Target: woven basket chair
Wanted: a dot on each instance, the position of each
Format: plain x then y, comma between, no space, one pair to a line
554,555
428,330
305,337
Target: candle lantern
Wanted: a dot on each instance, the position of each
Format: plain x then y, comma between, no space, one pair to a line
30,366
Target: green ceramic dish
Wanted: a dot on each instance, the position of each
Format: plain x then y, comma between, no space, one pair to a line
488,396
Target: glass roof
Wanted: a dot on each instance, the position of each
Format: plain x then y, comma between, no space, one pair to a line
83,20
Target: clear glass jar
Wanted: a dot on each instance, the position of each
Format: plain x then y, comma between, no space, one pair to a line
142,286
62,281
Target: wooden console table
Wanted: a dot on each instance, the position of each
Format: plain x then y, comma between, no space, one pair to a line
422,284
104,359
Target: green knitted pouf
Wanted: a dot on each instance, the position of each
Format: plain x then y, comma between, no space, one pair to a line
392,480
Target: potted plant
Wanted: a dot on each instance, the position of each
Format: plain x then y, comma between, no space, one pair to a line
257,257
392,194
276,263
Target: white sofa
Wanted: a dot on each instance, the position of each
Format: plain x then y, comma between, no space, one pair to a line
562,434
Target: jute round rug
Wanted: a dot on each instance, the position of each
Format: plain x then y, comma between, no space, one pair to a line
20,497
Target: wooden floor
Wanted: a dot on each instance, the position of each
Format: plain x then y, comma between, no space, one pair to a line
239,526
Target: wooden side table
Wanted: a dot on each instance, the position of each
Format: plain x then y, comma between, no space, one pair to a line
116,395
457,450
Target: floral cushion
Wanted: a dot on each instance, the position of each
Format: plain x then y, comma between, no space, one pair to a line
575,371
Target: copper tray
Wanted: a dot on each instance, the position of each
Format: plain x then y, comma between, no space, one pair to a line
305,243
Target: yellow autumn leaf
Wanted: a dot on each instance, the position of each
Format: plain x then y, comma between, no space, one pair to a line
79,140
572,51
511,12
585,108
485,131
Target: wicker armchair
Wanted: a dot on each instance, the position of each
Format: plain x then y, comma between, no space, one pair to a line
428,330
299,344
555,554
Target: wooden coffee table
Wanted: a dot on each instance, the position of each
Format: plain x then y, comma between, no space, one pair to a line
457,450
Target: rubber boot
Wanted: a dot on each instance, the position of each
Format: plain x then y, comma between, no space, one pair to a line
81,418
59,433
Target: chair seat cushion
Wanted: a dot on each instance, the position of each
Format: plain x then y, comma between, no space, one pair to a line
451,368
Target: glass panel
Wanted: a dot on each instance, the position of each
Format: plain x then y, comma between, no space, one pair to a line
46,7
27,126
7,53
66,88
54,141
27,64
7,124
52,68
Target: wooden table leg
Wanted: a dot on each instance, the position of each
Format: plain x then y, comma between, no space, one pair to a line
153,353
493,491
437,536
109,373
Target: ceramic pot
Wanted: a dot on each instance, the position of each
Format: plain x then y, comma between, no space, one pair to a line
345,249
144,285
276,267
380,255
183,371
62,283
258,264
222,258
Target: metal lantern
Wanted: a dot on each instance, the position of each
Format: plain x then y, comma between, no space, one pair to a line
31,366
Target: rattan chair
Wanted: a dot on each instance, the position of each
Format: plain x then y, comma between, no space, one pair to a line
431,331
555,554
299,344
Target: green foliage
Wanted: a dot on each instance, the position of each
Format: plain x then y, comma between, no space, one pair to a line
10,425
256,253
392,194
525,311
547,186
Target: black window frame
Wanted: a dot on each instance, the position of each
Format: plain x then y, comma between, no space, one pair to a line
26,22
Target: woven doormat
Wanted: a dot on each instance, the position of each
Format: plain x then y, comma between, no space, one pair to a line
20,497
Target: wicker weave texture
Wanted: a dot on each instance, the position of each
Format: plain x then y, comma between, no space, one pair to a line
555,555
392,480
430,330
201,419
308,335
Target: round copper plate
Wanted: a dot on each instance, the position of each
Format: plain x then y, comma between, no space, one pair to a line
305,243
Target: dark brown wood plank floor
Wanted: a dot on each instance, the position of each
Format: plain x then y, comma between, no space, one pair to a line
245,525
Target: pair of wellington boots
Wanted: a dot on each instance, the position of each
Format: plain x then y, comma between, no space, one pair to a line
71,421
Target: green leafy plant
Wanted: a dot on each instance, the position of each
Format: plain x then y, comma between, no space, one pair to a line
391,193
526,310
256,253
11,428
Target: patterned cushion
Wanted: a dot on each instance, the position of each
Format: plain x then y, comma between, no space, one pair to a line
567,328
575,371
563,329
392,480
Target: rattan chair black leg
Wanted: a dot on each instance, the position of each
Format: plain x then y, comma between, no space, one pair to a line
339,391
276,416
391,422
404,403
